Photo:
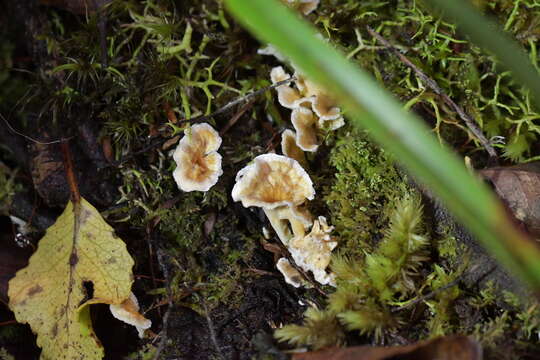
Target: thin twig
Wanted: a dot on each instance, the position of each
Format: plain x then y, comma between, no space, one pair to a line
428,296
235,102
236,116
29,138
70,173
9,322
165,323
204,118
471,124
472,270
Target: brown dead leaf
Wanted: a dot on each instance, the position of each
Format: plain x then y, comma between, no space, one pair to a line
444,348
48,174
519,187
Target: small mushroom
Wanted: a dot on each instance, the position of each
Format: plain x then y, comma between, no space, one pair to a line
304,6
309,95
313,251
305,123
128,312
321,103
290,149
198,165
279,185
270,50
291,275
287,96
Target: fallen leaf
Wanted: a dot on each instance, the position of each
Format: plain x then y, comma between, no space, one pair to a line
442,348
519,187
48,174
79,251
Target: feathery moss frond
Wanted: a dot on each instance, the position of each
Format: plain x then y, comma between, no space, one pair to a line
321,329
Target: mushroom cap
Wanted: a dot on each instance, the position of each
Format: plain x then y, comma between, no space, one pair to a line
287,96
307,6
128,312
304,6
322,104
198,163
272,181
305,122
313,251
291,275
269,49
289,147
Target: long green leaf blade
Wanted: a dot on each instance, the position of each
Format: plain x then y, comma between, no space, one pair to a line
402,133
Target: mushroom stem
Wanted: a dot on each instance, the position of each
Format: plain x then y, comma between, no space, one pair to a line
288,222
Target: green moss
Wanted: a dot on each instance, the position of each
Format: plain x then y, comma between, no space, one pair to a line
5,355
8,187
366,184
442,321
377,292
321,329
368,287
470,76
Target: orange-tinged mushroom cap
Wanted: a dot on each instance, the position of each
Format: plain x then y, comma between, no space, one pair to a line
128,312
287,96
272,181
290,149
304,122
304,6
198,163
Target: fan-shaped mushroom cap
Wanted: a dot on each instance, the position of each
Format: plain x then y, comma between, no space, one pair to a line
272,181
287,96
313,251
198,165
290,149
321,103
304,6
304,123
291,275
270,50
128,312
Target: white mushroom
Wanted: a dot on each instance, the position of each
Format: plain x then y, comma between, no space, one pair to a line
198,165
291,275
307,96
128,312
271,51
305,123
304,6
313,251
290,148
321,103
277,184
288,97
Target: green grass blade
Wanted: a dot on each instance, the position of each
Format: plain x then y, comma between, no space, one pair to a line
370,106
488,34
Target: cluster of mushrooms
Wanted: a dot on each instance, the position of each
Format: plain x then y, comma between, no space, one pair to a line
276,183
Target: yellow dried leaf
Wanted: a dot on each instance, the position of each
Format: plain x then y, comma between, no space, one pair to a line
49,294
